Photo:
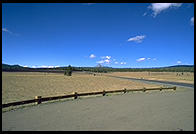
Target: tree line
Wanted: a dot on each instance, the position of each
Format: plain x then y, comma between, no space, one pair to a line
69,69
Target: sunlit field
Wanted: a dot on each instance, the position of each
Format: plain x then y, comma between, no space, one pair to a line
186,77
18,86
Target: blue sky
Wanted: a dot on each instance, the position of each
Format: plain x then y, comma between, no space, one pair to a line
86,34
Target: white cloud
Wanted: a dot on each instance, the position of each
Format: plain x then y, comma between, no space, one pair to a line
107,61
92,56
140,59
105,57
154,59
192,21
43,66
137,39
123,63
159,7
108,57
144,14
179,62
6,30
100,62
51,66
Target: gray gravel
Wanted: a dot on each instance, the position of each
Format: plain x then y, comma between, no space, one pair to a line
137,111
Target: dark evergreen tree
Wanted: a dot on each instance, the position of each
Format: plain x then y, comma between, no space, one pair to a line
68,71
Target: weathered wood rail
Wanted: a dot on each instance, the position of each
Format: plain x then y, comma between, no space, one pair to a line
39,99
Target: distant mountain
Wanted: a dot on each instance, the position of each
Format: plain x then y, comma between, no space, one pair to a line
6,67
178,68
18,68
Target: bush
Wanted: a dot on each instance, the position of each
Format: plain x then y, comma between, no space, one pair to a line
68,71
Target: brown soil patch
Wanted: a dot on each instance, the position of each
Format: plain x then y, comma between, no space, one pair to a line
18,86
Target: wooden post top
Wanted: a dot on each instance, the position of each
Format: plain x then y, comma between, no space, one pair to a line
38,97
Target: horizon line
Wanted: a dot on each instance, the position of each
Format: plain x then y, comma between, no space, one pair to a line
96,66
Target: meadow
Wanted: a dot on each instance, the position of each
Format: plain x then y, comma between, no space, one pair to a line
17,86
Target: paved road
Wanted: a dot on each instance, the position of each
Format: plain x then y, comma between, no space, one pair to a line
158,81
137,111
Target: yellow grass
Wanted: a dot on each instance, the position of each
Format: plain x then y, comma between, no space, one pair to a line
187,77
18,86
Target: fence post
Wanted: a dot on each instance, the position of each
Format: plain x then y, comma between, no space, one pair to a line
38,99
144,89
103,92
125,90
76,95
174,88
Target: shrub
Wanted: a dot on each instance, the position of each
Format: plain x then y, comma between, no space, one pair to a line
68,71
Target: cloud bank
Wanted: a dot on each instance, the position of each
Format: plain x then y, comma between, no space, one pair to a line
43,66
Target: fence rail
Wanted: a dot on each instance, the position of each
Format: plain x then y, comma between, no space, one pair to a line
39,99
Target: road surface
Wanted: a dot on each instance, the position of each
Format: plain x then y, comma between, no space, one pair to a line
157,81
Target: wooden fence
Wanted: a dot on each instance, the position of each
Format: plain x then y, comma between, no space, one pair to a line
39,99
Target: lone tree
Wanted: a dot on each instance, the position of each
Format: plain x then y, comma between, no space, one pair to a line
68,71
100,69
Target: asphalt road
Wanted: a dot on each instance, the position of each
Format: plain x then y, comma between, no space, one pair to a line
158,81
138,111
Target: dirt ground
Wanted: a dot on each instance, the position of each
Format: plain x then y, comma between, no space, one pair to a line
17,86
185,77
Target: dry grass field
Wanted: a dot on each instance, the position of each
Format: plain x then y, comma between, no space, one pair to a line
187,77
18,86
